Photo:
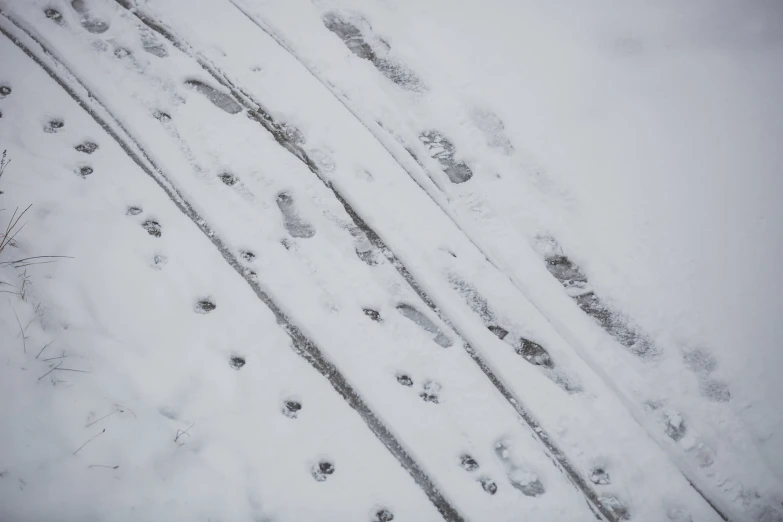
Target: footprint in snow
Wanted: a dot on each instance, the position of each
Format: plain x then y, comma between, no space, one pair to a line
92,24
715,390
219,99
159,261
247,255
84,171
425,323
54,125
161,116
442,149
150,43
152,227
488,485
404,379
468,463
5,90
616,506
204,306
493,129
533,353
372,314
236,362
54,15
133,211
518,475
87,147
228,178
291,408
430,391
291,220
383,515
600,477
322,470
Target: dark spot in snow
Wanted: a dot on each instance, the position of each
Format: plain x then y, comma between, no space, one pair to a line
293,223
133,211
122,52
5,90
237,362
152,227
204,306
442,149
87,147
54,125
715,390
498,330
383,515
158,261
85,171
322,470
372,314
54,15
534,353
219,99
600,476
615,506
488,485
675,426
404,379
291,408
161,116
468,463
247,255
228,178
430,391
700,362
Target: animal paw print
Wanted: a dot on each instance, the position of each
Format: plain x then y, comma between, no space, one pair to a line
204,306
237,362
430,392
87,147
322,470
152,227
54,125
291,408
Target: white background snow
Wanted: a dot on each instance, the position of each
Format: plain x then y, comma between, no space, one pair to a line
646,138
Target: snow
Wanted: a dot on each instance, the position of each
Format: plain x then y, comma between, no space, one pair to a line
402,251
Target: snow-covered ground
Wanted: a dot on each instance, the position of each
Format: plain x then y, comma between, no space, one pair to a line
307,258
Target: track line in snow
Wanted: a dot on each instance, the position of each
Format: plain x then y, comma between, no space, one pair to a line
258,113
409,162
302,345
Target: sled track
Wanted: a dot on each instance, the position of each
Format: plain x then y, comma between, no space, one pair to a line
301,343
402,158
258,113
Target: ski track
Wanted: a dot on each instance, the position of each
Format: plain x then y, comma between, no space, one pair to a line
558,456
706,485
302,344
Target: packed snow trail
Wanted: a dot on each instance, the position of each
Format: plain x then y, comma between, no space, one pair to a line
478,216
206,415
301,343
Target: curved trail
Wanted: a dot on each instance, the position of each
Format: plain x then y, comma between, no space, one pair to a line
403,159
258,113
61,74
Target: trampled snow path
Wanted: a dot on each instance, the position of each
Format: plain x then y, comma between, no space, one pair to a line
325,281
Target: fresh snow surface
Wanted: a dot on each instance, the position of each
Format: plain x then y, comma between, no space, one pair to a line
354,316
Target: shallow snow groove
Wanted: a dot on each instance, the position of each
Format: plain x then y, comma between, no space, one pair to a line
278,130
302,345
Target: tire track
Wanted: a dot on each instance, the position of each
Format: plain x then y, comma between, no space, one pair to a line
405,160
301,343
281,133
